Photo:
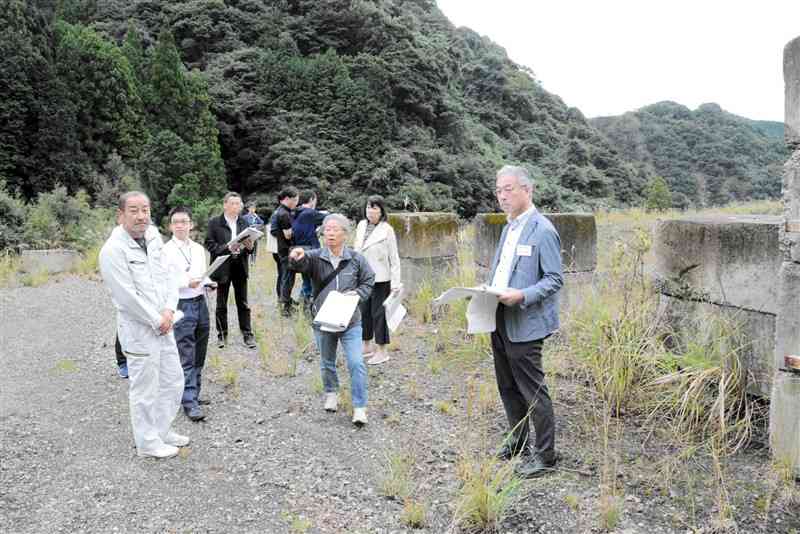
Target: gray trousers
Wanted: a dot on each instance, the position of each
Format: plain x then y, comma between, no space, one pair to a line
520,380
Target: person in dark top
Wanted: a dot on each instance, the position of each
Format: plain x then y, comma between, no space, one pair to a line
282,230
221,230
253,219
307,219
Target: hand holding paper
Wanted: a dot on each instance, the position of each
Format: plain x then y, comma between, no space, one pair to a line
481,309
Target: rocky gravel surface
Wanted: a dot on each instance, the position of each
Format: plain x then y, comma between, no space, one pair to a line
269,459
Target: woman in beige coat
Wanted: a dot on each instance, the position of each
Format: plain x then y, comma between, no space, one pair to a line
375,239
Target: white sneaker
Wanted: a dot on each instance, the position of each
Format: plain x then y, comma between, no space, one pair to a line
165,451
175,439
359,416
331,402
380,357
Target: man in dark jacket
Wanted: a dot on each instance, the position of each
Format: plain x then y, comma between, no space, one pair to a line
304,233
281,228
221,230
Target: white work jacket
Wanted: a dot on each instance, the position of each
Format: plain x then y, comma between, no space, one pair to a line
141,287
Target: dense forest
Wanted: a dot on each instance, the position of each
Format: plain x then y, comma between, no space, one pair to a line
349,97
707,156
187,99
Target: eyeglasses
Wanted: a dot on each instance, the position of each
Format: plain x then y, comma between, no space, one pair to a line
506,189
181,221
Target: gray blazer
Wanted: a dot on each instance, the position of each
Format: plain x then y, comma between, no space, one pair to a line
539,276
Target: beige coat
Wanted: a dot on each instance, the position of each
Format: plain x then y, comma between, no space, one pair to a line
381,252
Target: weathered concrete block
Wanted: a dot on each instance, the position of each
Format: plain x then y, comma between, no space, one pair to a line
727,260
49,260
791,78
787,326
784,421
578,232
577,286
425,235
753,331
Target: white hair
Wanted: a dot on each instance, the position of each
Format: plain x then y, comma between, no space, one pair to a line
343,221
520,173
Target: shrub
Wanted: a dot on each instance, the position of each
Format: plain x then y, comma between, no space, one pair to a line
12,218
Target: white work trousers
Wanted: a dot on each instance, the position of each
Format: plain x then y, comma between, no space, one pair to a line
156,386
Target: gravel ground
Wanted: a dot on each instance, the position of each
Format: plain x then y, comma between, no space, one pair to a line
269,459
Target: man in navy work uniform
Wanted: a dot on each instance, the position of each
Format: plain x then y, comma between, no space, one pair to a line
527,266
307,219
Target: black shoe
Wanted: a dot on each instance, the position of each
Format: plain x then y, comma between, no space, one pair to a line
508,451
195,413
250,341
535,465
203,402
221,342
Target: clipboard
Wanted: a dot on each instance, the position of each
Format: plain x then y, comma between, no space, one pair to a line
215,265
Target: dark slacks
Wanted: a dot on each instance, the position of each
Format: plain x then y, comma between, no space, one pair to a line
373,314
287,281
520,380
279,276
191,336
239,281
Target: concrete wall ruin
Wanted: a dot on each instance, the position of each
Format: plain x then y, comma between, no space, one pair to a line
427,243
784,415
722,272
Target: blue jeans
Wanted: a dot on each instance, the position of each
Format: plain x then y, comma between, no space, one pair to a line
306,291
191,336
351,345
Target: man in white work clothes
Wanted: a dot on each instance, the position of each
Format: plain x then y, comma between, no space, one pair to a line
146,297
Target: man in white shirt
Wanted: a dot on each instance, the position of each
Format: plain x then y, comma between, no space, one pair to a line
527,267
187,261
146,297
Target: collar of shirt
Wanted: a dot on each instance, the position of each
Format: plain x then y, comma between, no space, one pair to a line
521,219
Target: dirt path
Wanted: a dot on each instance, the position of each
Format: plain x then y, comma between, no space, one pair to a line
268,459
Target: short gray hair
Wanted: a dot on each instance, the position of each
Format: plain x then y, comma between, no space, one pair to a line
343,221
124,197
520,173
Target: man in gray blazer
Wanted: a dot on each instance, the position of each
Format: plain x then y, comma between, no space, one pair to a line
527,266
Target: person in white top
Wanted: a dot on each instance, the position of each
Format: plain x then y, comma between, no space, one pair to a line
375,239
187,262
146,297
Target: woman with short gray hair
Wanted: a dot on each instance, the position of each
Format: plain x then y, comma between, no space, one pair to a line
340,268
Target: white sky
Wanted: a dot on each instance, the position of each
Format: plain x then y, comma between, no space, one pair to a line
607,57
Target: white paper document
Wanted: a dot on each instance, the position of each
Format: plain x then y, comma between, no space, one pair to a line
336,311
214,266
481,309
394,310
249,232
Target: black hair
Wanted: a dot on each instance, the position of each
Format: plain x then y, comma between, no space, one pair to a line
306,195
376,201
287,192
180,209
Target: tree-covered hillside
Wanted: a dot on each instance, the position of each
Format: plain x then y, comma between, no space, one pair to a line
350,97
707,156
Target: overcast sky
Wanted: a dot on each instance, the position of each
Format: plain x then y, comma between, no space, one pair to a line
611,56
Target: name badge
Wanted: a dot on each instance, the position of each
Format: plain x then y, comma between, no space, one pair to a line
524,250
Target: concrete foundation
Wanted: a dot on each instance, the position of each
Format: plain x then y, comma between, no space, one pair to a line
726,260
752,333
785,399
427,244
51,260
791,77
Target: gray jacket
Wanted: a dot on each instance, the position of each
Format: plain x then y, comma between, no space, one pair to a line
539,277
356,276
